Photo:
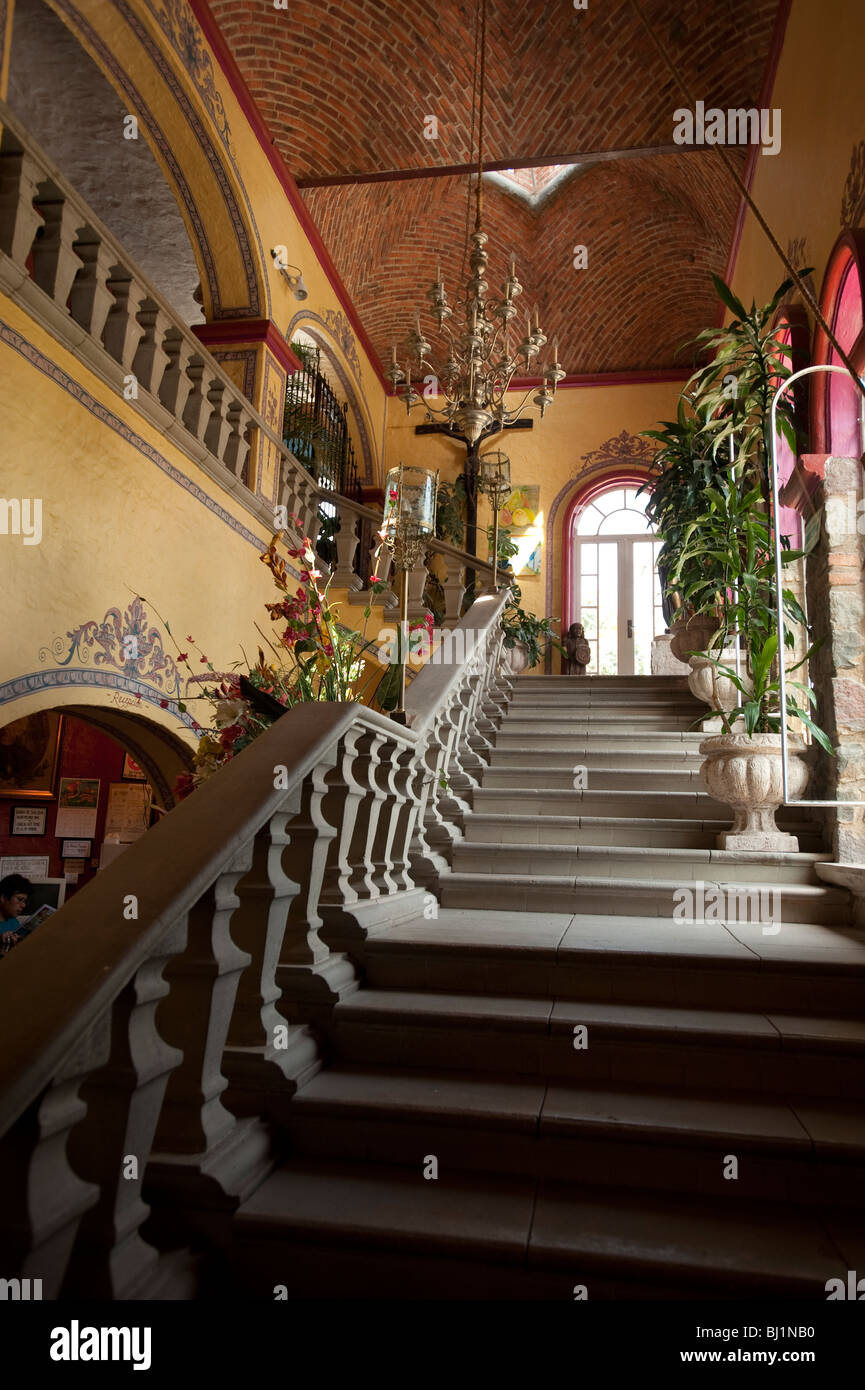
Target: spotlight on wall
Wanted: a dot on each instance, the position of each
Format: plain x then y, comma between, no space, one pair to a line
291,274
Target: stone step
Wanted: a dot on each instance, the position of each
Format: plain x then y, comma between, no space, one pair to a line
623,1045
593,754
498,828
551,728
804,969
598,778
555,711
381,1231
528,685
615,895
620,803
582,736
776,872
602,1135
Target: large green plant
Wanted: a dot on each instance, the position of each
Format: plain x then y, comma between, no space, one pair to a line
728,551
734,391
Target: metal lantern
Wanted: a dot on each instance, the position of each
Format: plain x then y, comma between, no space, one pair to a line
408,524
494,481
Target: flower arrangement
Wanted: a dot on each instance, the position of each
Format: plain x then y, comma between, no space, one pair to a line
314,658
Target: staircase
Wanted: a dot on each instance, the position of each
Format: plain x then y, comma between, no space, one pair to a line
558,1084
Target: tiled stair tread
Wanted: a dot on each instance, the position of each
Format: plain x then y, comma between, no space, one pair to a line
663,1023
488,1101
660,824
551,1225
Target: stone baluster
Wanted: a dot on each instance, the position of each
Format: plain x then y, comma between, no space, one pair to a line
266,1057
151,360
55,263
122,332
345,575
426,860
20,176
111,1145
405,819
175,387
44,1199
90,299
204,1161
196,414
389,776
237,448
454,589
218,429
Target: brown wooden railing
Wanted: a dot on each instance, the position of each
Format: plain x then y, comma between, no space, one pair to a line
153,1031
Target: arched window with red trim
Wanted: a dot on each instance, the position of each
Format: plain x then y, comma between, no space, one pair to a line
791,332
837,404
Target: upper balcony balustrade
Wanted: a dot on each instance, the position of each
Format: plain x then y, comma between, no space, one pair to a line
66,270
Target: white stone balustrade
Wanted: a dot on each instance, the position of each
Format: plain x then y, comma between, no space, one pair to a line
69,273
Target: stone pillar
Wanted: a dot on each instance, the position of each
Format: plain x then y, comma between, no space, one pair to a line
258,359
836,612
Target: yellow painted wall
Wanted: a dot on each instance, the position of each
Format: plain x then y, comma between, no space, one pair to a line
114,525
818,89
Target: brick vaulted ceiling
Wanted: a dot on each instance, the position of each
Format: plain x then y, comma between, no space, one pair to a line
344,88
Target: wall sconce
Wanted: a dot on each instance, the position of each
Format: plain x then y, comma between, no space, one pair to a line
290,273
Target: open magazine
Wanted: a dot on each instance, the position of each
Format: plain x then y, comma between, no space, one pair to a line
36,919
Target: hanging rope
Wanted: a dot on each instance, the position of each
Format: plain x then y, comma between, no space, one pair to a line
801,284
479,24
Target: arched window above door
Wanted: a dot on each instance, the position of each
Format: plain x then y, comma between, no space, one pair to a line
619,512
837,402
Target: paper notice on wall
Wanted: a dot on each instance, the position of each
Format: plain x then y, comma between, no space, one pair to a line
77,808
128,811
30,866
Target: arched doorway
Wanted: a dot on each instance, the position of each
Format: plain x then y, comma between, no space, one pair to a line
615,591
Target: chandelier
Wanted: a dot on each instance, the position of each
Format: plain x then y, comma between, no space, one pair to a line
484,351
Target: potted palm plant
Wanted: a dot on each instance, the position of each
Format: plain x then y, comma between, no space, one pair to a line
723,566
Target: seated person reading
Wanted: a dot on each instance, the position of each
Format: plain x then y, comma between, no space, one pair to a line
14,892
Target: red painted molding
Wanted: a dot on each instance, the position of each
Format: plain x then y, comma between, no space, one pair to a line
775,49
224,57
225,331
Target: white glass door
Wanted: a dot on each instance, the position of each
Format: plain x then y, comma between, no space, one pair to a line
617,591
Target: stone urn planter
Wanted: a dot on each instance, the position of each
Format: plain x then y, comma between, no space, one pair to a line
711,686
693,634
745,773
516,658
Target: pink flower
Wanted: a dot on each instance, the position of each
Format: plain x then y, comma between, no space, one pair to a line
183,656
394,494
374,579
163,704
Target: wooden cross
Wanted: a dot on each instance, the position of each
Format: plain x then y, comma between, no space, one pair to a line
471,468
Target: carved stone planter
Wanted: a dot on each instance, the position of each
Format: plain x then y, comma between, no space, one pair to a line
710,685
693,635
516,658
745,773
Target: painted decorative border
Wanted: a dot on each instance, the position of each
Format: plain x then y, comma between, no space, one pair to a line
247,357
107,417
124,80
77,676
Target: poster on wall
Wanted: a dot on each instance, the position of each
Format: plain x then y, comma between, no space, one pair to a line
29,757
128,813
77,806
32,866
520,516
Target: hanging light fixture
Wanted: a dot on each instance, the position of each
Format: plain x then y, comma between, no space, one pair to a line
495,481
484,355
